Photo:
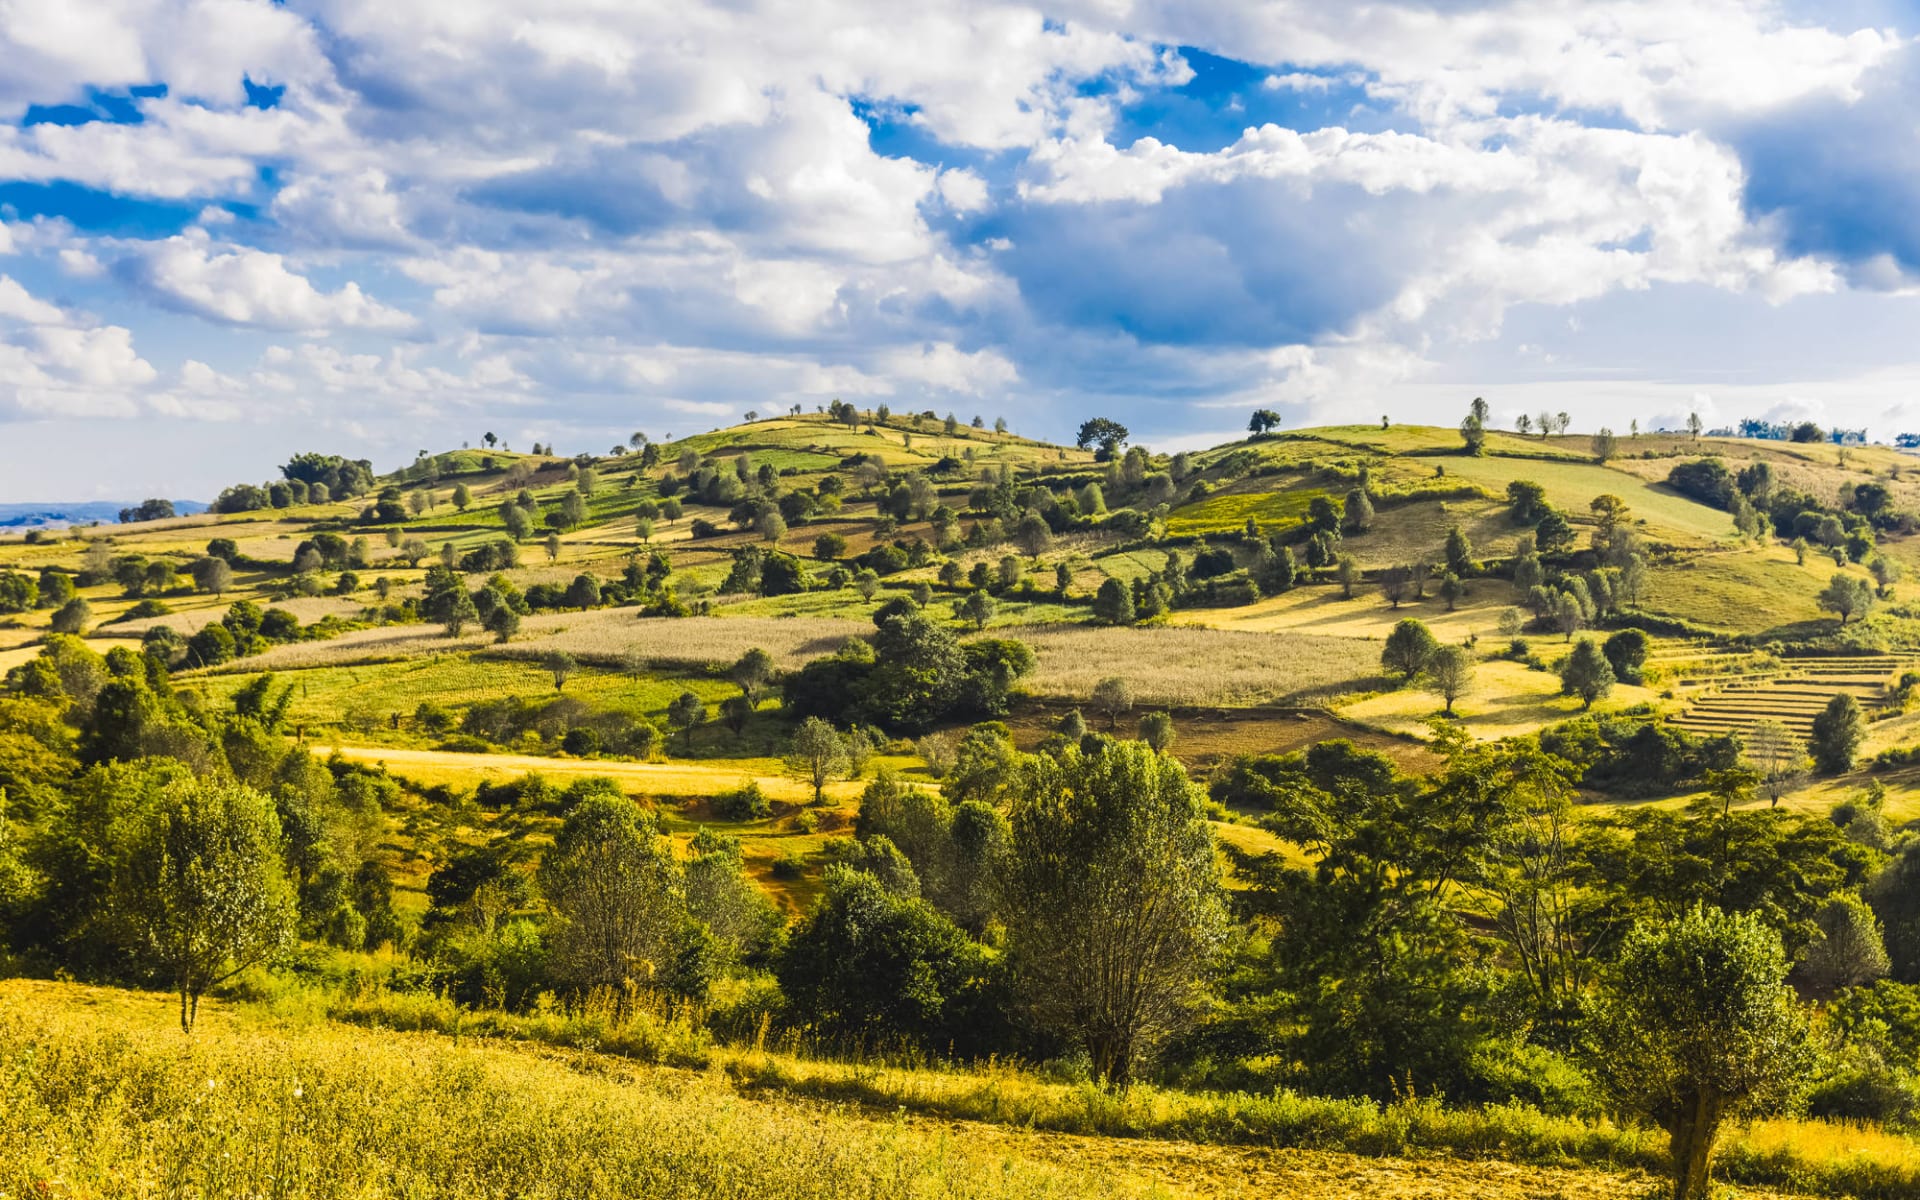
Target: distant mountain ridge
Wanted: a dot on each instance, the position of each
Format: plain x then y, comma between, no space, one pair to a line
85,512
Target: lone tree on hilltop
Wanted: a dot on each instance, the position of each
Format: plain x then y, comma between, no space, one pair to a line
1106,434
1264,421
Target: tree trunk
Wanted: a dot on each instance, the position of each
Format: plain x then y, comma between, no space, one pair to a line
1111,1053
1693,1135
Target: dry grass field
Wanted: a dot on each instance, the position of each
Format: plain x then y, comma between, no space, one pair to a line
1185,667
105,1098
1324,615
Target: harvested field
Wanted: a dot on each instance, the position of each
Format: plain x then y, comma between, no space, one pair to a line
1208,737
1188,667
601,636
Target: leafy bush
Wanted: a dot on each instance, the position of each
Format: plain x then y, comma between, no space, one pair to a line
744,803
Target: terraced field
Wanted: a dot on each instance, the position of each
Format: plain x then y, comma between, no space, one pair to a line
1794,693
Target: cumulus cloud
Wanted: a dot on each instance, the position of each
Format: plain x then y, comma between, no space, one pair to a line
243,286
602,216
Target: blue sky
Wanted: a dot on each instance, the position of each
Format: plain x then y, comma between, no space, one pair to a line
231,230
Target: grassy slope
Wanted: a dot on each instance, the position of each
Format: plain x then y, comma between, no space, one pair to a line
105,1098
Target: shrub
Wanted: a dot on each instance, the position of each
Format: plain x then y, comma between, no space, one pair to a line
744,803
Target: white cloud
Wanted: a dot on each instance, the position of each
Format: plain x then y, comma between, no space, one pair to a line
17,305
243,286
614,211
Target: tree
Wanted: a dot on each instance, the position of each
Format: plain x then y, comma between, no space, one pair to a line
1408,648
1395,582
212,574
1460,553
1357,515
751,673
1886,573
829,546
1449,673
502,622
560,665
457,610
1113,698
72,617
1554,532
977,608
462,496
1107,434
1473,435
1777,757
1478,410
1694,426
1848,595
1033,535
817,755
869,963
1264,420
583,592
1604,445
1849,950
1156,730
1568,615
1586,673
1626,653
1695,1026
1346,572
201,888
553,547
1113,898
1113,603
617,896
687,714
1837,734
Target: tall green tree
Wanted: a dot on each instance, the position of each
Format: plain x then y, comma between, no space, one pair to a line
1837,734
1586,673
1408,648
1448,673
1114,900
617,896
817,755
1696,1026
201,889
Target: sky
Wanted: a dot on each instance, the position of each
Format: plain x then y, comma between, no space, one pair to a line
233,230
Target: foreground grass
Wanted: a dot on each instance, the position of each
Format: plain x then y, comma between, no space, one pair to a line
1808,1157
101,1097
97,1099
